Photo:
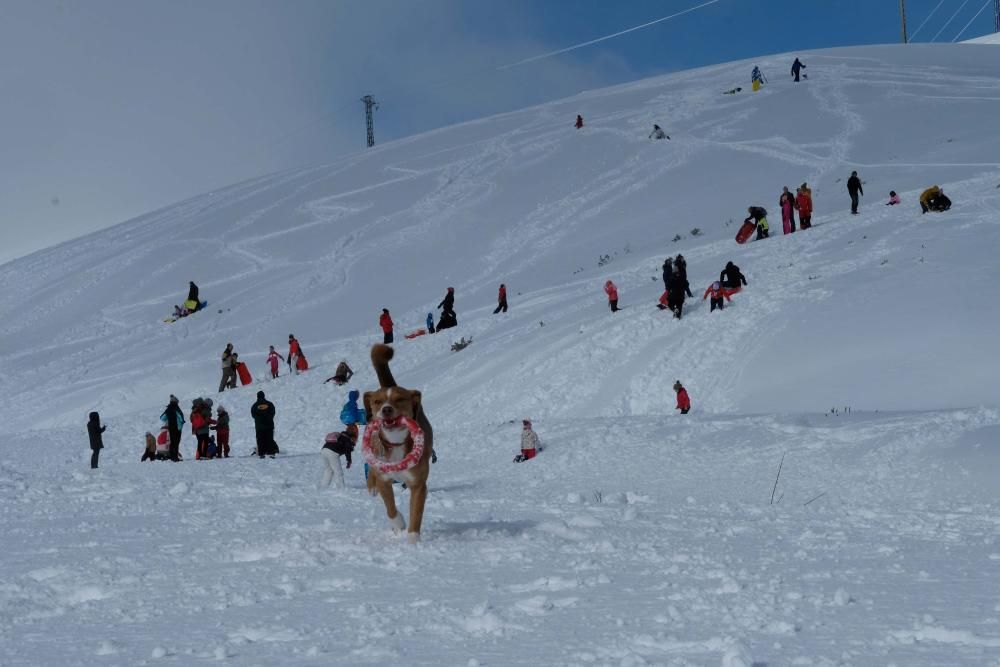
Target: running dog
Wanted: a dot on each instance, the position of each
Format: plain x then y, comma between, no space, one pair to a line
392,442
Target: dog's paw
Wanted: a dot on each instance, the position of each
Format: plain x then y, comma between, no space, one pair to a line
398,523
413,538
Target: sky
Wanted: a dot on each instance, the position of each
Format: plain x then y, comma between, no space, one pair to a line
114,108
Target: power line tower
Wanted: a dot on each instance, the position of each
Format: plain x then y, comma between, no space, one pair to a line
902,17
370,106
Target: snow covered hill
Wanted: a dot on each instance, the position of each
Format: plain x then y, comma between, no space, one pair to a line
638,537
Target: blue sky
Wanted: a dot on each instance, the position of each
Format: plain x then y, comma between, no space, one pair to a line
113,108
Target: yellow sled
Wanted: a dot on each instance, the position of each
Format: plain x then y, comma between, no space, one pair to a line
756,86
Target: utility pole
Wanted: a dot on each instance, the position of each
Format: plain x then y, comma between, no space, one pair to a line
902,17
370,106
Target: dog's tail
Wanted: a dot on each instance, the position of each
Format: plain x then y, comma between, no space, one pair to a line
381,355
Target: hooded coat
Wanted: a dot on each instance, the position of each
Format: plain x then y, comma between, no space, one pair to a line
351,413
94,431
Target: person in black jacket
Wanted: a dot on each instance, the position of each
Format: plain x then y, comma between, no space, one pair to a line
681,269
732,277
675,293
854,189
263,420
448,302
174,417
797,67
668,270
193,295
94,430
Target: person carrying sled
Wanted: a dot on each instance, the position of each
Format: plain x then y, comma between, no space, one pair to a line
221,429
681,268
295,356
334,446
855,190
668,269
804,202
683,400
759,216
430,323
342,375
732,278
717,292
173,420
385,321
273,357
228,380
263,421
95,432
675,294
612,291
501,299
658,133
529,443
797,67
579,122
893,199
787,203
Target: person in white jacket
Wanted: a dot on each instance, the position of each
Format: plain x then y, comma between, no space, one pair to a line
529,443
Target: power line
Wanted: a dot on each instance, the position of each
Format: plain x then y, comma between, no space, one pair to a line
960,7
985,5
914,35
557,52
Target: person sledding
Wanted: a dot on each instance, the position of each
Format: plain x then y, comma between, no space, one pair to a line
336,445
934,199
612,291
717,292
342,375
797,68
296,358
894,199
759,217
193,302
658,133
579,122
732,278
273,357
529,443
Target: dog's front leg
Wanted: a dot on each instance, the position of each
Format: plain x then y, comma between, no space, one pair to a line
418,494
389,498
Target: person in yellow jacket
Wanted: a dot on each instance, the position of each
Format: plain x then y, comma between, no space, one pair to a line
934,199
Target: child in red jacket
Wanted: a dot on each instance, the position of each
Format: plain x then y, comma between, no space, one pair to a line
717,292
612,292
683,400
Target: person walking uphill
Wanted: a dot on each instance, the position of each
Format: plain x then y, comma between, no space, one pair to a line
95,431
681,269
668,270
173,419
787,203
385,321
676,291
717,292
797,67
855,190
501,299
263,421
731,277
228,380
683,400
612,291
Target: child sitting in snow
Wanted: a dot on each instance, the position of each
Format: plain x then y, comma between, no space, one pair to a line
150,453
337,445
529,443
893,199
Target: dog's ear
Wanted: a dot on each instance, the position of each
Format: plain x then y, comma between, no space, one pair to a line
416,397
368,405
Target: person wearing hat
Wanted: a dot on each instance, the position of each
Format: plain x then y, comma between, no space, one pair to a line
221,429
335,446
228,380
804,203
173,419
202,422
263,420
683,400
529,442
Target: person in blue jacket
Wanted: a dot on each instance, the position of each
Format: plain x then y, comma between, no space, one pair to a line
351,413
430,322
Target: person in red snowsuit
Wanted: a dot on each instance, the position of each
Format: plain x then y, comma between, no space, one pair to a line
579,122
272,360
717,292
683,400
295,356
804,200
385,321
612,292
501,300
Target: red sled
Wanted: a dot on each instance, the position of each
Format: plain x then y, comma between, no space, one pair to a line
415,334
301,364
244,373
745,231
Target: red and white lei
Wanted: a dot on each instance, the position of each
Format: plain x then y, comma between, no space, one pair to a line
410,460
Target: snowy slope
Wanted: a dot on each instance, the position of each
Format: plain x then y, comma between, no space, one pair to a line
638,537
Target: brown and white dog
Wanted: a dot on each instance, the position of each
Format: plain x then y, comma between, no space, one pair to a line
393,442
